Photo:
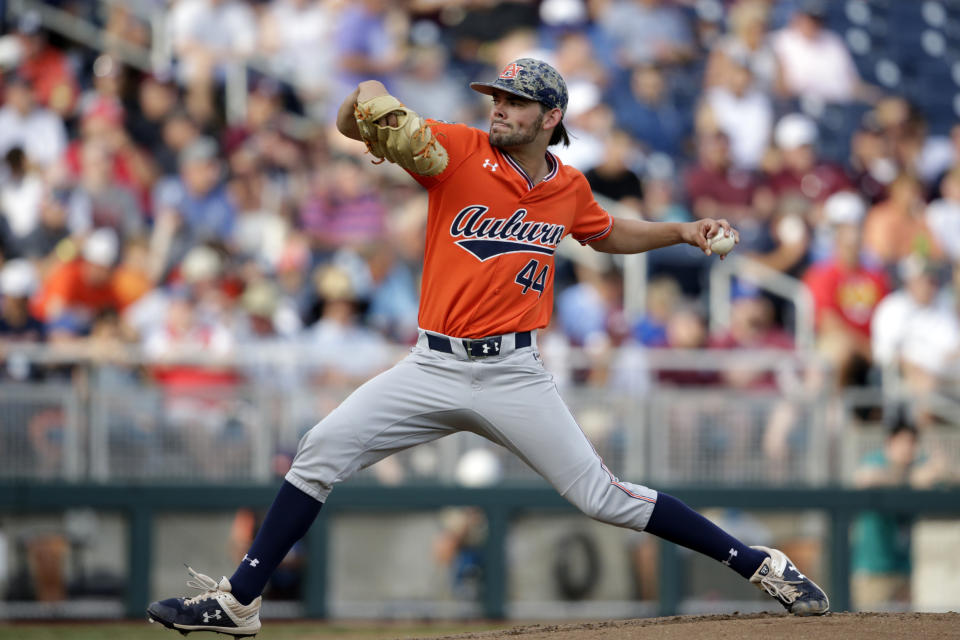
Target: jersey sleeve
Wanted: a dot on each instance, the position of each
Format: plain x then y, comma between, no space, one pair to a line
592,222
459,140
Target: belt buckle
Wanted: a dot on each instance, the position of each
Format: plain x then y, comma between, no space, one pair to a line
478,348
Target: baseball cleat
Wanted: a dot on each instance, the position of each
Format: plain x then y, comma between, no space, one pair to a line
216,609
780,578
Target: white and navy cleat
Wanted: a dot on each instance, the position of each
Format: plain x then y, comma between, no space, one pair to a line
780,578
216,609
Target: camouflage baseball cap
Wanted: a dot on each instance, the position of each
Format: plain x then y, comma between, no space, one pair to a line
531,79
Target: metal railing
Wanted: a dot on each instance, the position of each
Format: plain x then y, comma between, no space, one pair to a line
121,425
767,279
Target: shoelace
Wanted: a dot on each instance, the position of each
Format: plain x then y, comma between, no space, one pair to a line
781,589
208,585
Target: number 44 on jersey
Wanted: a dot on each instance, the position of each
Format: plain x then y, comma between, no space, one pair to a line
530,278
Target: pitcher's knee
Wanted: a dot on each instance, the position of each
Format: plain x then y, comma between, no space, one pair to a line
617,503
325,456
316,488
596,510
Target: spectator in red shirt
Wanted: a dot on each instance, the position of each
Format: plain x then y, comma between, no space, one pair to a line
46,67
752,326
83,287
715,187
130,167
846,291
800,171
686,329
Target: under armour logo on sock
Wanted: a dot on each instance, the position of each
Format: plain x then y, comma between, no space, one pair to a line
733,554
253,561
207,616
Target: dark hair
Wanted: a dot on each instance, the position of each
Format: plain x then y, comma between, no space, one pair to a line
560,135
902,428
900,420
16,159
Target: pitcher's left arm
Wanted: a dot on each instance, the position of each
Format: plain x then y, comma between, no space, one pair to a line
637,236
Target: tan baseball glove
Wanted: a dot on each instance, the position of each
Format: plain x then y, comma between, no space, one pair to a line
410,144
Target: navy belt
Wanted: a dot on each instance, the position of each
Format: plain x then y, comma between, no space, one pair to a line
478,347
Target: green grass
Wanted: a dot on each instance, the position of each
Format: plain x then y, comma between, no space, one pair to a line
271,631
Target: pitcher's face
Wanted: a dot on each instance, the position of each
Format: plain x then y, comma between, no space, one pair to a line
514,121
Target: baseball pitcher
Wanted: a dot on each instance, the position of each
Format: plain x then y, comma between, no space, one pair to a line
499,204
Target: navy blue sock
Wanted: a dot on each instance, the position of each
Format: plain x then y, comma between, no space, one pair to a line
288,519
676,522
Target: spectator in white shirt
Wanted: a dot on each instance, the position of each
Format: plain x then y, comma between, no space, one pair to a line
911,333
815,62
747,38
21,193
298,36
943,215
742,112
35,129
207,34
342,350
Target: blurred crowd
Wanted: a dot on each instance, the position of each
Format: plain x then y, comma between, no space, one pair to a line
140,209
153,211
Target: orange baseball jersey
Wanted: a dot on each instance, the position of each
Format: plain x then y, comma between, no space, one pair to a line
492,235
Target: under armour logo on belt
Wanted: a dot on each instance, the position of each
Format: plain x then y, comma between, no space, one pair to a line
207,616
490,165
482,347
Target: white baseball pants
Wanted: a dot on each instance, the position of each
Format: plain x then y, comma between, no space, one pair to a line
510,399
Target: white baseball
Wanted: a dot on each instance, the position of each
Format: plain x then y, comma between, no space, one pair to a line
722,243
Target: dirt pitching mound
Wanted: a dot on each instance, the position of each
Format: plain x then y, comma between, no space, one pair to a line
872,626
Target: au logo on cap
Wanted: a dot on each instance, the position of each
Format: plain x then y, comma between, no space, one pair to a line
510,71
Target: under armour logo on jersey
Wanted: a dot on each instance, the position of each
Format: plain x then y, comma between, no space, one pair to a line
253,561
490,165
207,616
733,554
510,71
486,237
